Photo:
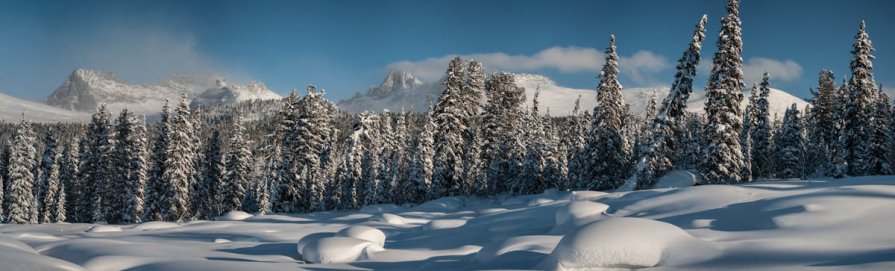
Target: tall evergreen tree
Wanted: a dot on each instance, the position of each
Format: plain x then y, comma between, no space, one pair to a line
666,140
48,212
862,96
880,150
418,182
95,168
451,119
155,184
824,123
531,178
608,149
129,170
238,170
41,173
179,165
20,201
760,133
791,147
68,179
723,154
208,195
503,121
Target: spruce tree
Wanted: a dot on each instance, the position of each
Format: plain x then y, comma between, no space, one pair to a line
418,182
238,170
666,140
760,133
608,150
155,184
96,168
41,173
179,165
531,178
68,179
451,119
502,130
128,170
880,164
20,201
862,96
824,121
723,154
791,146
208,195
50,191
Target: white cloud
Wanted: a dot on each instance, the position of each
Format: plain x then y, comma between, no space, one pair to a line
638,67
786,70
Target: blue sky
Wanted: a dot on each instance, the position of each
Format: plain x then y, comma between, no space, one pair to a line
347,46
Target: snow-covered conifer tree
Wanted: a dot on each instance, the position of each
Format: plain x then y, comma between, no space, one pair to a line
451,119
723,154
128,170
96,166
238,170
50,191
666,139
608,150
20,202
179,165
502,126
68,178
206,202
791,147
155,185
862,96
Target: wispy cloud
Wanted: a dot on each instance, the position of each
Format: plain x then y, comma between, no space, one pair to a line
638,67
786,70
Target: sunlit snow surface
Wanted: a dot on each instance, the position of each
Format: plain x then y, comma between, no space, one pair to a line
781,225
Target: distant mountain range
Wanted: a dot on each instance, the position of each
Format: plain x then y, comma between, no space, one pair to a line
85,90
401,91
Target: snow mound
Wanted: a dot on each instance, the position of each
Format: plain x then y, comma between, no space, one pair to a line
234,216
380,208
36,236
578,213
442,204
521,245
676,179
154,225
311,238
442,224
587,195
338,249
627,243
366,233
104,228
389,218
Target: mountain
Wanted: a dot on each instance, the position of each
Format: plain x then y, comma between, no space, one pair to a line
11,110
558,100
227,93
85,90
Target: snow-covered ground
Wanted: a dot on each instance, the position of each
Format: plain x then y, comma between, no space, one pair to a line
777,225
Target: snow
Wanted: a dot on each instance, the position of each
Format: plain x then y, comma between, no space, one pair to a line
817,224
233,216
627,243
11,110
677,178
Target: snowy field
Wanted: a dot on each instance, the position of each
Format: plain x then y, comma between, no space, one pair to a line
793,225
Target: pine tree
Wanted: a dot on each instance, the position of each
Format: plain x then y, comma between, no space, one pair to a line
608,150
128,170
286,198
723,154
95,168
862,96
791,146
68,179
450,116
208,195
760,133
50,191
824,123
42,172
179,166
880,164
61,212
502,126
531,178
155,184
20,192
238,170
419,164
356,160
667,140
473,91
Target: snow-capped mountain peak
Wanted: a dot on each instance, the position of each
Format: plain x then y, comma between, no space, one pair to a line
396,80
86,89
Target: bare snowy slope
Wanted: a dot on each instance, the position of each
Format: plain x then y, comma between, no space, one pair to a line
85,90
11,110
557,99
